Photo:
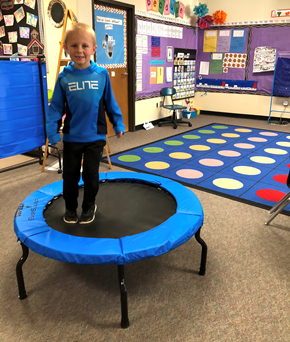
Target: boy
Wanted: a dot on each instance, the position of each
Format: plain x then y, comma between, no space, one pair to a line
83,92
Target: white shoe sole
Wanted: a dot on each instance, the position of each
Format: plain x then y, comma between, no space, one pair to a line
86,222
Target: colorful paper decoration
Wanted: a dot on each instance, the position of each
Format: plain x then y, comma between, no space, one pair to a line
7,49
219,17
181,10
31,19
161,6
167,8
24,32
280,13
176,9
30,3
22,49
19,14
172,2
201,10
149,5
9,19
204,22
12,37
1,16
2,31
155,4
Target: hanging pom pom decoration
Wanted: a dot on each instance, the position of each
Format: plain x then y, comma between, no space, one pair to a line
219,17
200,10
204,22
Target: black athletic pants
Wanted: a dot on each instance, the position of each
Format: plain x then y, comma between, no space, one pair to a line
72,158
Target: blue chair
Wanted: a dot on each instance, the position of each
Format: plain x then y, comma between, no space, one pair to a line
170,91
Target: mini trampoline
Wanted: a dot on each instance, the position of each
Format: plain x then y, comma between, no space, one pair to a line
139,216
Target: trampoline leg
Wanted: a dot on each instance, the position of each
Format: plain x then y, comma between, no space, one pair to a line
203,252
124,305
19,274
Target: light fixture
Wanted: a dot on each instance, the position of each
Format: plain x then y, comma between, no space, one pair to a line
285,103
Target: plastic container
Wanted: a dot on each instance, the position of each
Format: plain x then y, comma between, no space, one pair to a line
189,115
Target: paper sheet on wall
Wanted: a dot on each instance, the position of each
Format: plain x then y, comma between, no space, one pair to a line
204,68
209,41
168,74
160,75
216,63
223,41
238,40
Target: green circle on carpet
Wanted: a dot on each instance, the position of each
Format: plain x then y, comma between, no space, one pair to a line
153,149
190,136
173,143
129,158
220,127
206,131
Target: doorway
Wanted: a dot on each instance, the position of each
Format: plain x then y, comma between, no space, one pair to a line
113,18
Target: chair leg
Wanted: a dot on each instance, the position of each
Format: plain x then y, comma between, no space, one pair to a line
175,121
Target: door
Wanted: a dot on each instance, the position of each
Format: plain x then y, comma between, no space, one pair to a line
111,27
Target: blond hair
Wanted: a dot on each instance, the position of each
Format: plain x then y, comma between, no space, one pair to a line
80,27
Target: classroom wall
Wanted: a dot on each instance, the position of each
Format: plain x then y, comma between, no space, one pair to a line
247,10
146,110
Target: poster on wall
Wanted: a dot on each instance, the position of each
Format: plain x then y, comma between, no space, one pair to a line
264,59
110,23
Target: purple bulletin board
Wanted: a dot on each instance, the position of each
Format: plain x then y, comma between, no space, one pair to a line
264,35
277,37
233,73
188,41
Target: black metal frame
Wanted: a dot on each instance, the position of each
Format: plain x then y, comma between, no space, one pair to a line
121,277
130,52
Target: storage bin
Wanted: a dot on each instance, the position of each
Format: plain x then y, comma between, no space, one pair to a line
189,115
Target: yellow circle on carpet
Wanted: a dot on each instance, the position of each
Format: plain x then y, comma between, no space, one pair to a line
199,147
244,130
230,135
216,141
263,160
247,170
158,165
275,151
180,155
283,143
228,183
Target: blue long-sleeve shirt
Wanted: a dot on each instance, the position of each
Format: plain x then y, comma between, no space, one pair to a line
83,95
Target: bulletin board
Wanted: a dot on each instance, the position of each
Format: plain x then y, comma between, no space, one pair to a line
21,28
155,44
243,66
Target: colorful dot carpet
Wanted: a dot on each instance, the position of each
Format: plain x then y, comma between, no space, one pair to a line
245,164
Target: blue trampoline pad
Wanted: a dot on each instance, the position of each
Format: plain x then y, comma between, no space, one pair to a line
127,230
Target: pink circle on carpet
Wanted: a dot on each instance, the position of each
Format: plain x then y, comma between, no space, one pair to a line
211,162
281,178
244,145
257,139
270,195
269,134
229,153
189,173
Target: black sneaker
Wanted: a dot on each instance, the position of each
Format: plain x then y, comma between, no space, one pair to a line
70,216
89,215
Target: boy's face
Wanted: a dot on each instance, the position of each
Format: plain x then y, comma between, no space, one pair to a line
80,47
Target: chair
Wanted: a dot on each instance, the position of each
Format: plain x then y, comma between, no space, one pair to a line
170,91
281,204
